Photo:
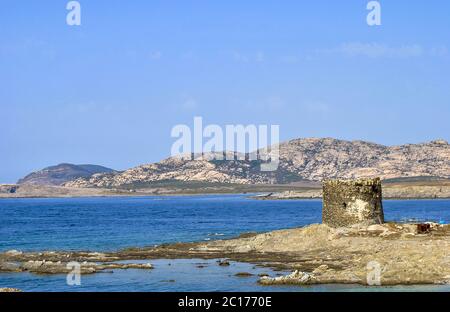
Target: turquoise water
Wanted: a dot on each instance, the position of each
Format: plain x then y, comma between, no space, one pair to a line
102,224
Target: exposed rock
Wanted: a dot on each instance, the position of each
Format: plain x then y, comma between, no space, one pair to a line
224,263
10,267
306,194
14,252
320,254
243,274
60,267
311,159
10,290
398,190
376,228
296,277
321,269
316,254
37,191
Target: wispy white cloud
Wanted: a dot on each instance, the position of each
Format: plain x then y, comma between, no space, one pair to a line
274,103
317,107
189,104
188,55
257,57
27,47
83,107
381,50
155,55
289,59
439,51
377,50
239,57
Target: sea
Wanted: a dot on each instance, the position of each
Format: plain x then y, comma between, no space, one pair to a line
114,223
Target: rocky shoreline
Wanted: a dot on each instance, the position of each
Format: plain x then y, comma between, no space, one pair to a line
9,290
405,190
390,191
40,191
316,254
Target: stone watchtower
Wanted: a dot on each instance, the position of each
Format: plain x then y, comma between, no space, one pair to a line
349,202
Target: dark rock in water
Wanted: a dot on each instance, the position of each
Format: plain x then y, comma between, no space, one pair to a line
243,274
247,235
223,263
62,173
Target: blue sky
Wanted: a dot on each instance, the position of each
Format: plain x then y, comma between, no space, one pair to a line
109,91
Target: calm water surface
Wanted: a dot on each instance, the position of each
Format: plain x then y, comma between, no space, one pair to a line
106,224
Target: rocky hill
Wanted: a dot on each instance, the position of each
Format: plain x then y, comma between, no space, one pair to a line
62,173
312,159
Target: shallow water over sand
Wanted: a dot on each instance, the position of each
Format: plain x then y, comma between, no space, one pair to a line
181,275
100,224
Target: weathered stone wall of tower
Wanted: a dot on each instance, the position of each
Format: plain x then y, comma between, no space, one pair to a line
349,202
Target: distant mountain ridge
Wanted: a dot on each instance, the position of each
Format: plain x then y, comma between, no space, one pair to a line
62,173
311,159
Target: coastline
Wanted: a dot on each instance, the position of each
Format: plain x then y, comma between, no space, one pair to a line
316,254
36,191
391,191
